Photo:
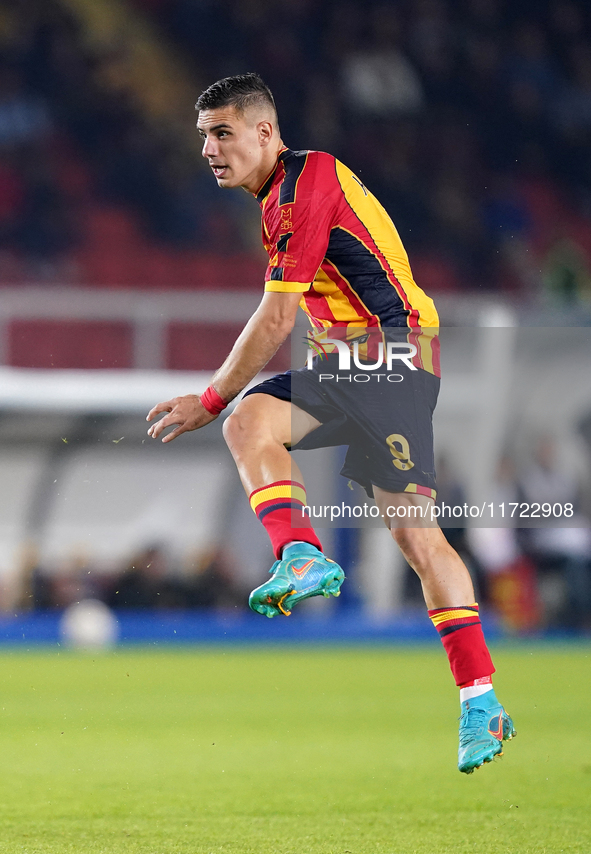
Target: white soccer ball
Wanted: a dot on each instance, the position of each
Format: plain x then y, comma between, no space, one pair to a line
89,624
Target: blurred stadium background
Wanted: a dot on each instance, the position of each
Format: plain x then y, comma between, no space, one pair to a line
125,275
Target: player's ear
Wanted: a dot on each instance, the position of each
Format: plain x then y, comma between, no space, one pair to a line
265,132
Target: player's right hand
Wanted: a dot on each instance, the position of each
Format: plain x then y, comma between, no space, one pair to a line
186,412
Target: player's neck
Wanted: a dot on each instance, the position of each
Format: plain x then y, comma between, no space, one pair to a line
266,168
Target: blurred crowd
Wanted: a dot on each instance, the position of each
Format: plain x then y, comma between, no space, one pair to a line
149,581
471,121
68,133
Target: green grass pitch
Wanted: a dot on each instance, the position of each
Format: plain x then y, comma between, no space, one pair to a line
287,751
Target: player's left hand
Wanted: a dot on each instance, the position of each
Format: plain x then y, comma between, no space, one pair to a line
187,412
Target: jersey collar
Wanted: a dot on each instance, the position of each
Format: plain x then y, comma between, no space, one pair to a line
265,188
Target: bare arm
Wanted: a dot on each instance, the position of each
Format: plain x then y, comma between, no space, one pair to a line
260,339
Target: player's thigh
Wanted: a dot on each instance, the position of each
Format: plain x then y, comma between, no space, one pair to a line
268,418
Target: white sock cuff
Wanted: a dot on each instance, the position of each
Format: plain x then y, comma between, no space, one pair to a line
474,691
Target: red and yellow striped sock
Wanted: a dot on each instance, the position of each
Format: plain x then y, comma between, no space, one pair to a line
460,631
274,505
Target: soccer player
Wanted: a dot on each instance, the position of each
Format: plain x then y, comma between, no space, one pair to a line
334,251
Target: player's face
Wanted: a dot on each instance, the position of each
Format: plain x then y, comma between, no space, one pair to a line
235,146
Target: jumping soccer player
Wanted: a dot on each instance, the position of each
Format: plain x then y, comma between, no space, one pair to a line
334,251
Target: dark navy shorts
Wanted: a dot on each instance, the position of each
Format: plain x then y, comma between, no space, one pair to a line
387,425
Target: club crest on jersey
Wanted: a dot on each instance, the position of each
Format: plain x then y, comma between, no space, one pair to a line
286,223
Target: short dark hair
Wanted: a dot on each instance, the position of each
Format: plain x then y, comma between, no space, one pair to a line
240,91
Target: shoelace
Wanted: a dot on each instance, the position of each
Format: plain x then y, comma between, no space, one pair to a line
472,722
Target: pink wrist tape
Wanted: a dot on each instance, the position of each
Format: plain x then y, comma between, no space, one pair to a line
211,400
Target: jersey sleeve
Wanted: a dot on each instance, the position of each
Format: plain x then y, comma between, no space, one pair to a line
298,231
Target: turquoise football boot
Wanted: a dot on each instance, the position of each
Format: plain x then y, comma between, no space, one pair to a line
302,572
484,726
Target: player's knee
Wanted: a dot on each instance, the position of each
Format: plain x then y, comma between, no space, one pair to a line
241,427
233,430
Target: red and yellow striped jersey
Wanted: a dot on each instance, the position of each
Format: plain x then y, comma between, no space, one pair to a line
330,239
